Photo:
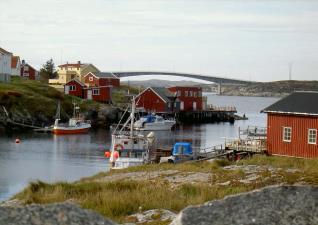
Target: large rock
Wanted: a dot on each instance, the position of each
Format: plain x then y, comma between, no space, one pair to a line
273,205
53,214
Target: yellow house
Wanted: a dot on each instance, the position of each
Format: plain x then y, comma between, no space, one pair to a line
67,72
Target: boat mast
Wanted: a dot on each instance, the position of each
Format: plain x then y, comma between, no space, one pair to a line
132,117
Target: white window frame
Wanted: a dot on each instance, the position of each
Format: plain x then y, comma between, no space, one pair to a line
285,135
91,79
312,136
72,88
95,92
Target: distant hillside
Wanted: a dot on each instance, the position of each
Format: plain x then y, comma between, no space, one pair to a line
160,83
276,88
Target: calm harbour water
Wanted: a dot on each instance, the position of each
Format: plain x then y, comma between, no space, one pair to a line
68,158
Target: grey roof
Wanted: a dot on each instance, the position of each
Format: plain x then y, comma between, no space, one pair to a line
165,94
301,103
106,75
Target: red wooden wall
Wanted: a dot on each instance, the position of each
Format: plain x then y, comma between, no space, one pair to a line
150,101
78,90
298,146
188,101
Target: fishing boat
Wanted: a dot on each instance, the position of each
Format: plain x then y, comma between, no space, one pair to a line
128,147
75,125
154,122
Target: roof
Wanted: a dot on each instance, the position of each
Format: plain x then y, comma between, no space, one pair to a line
163,93
77,65
14,61
77,81
298,103
105,75
4,51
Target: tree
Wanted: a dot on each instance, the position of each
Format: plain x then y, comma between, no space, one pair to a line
48,70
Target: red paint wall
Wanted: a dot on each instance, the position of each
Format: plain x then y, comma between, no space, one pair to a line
93,83
78,90
298,146
28,72
151,102
115,82
188,101
104,94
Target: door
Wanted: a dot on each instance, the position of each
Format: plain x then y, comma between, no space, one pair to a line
181,105
89,94
194,105
67,89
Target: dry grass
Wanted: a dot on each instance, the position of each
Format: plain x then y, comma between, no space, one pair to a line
118,199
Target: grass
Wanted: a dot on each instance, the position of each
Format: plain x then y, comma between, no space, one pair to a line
119,199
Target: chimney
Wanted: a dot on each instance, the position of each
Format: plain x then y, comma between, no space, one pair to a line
79,62
23,61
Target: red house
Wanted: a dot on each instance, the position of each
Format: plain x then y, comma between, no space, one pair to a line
100,94
75,87
28,71
157,99
190,97
292,125
79,89
101,79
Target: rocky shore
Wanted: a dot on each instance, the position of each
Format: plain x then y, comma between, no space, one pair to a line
161,194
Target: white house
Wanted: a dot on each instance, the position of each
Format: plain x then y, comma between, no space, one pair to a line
16,66
5,65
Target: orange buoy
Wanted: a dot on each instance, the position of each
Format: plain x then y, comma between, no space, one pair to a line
17,141
107,154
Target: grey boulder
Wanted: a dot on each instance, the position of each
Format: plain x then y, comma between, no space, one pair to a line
52,214
272,205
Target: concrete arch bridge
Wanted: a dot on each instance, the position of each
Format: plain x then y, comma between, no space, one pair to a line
214,79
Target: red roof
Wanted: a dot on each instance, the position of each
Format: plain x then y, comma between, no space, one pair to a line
14,61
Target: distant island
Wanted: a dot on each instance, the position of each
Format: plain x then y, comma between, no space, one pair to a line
261,89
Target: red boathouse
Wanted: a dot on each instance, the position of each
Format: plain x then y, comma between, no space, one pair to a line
292,125
190,97
157,99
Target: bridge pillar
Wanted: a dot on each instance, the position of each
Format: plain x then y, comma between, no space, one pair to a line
219,88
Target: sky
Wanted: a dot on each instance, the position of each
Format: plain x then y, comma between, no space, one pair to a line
243,39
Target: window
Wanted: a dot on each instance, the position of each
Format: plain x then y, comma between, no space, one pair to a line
199,94
90,78
312,136
186,93
195,94
72,88
287,134
95,91
191,94
169,105
178,93
175,104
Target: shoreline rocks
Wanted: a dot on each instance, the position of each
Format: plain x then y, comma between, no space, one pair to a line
51,214
271,205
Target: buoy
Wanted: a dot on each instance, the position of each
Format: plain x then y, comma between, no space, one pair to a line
107,154
17,141
116,155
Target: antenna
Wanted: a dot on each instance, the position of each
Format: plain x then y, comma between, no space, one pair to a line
290,68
